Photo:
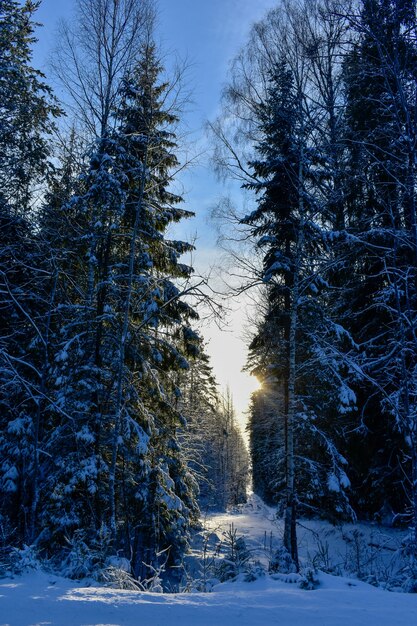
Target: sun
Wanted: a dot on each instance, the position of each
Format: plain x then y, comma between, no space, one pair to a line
256,384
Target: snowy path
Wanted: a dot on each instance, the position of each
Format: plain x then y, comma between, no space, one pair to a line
255,521
39,599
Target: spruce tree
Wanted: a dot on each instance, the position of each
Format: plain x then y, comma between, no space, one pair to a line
298,342
121,469
380,82
26,119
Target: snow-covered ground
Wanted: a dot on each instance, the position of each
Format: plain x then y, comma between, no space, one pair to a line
372,550
40,599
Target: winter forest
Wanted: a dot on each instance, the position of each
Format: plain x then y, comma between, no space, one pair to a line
116,440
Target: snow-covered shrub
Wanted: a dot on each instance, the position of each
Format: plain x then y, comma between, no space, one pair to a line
225,570
154,582
309,579
117,573
254,570
197,584
410,584
360,557
219,561
83,561
282,562
356,539
87,557
374,558
236,558
409,571
23,559
80,560
320,559
119,562
199,570
117,578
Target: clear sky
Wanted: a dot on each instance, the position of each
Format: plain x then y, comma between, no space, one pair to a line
208,33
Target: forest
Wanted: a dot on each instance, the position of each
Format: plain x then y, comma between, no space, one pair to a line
115,439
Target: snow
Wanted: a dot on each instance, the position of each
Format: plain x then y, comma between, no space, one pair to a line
341,549
333,483
37,598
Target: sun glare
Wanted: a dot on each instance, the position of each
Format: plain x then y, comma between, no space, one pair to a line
256,383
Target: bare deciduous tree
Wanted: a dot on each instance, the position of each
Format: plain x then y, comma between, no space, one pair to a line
96,51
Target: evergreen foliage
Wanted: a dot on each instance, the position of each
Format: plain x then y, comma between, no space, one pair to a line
112,429
323,99
212,439
26,119
120,463
298,342
380,84
95,329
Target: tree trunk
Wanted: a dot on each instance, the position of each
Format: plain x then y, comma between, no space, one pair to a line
290,519
40,404
122,348
290,528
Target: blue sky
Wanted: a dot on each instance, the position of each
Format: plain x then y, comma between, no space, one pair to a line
208,33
